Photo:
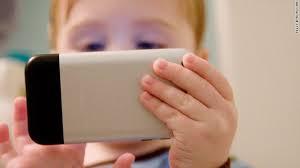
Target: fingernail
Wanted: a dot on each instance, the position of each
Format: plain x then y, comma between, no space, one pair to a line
148,80
161,63
146,96
190,58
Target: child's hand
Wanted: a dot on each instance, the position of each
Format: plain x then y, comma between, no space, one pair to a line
28,154
200,111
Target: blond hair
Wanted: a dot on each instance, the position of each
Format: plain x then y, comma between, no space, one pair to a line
195,9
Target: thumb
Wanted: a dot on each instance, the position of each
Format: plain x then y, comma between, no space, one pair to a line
124,161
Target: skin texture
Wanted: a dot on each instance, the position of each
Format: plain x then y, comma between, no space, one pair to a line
200,110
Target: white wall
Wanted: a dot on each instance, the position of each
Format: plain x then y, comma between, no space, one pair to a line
260,53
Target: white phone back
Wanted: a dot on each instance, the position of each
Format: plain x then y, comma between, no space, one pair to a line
100,95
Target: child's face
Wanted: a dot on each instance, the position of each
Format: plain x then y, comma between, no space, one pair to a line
98,25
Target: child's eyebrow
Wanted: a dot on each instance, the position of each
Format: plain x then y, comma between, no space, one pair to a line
155,21
140,22
84,24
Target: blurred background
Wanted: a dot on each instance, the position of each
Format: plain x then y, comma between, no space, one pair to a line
253,42
258,50
27,36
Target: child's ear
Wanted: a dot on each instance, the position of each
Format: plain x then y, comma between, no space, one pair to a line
203,53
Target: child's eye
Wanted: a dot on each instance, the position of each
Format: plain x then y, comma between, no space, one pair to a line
148,45
97,46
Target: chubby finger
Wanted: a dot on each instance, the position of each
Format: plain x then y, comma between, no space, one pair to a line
176,98
124,161
20,127
7,151
189,81
211,74
165,113
4,133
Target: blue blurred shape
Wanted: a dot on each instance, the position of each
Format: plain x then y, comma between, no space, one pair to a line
19,56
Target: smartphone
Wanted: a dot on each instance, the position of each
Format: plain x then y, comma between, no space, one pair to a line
92,97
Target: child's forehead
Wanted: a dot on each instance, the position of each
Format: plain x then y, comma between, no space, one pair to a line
167,12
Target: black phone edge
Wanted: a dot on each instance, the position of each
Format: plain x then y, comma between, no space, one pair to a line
44,105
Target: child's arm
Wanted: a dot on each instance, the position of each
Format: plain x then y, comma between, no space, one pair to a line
200,111
28,154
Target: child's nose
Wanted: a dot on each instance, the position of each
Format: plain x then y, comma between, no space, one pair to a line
119,44
117,48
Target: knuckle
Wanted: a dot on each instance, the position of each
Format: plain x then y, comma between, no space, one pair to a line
158,106
229,112
202,85
179,71
169,92
172,119
185,102
214,130
205,132
221,128
215,98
